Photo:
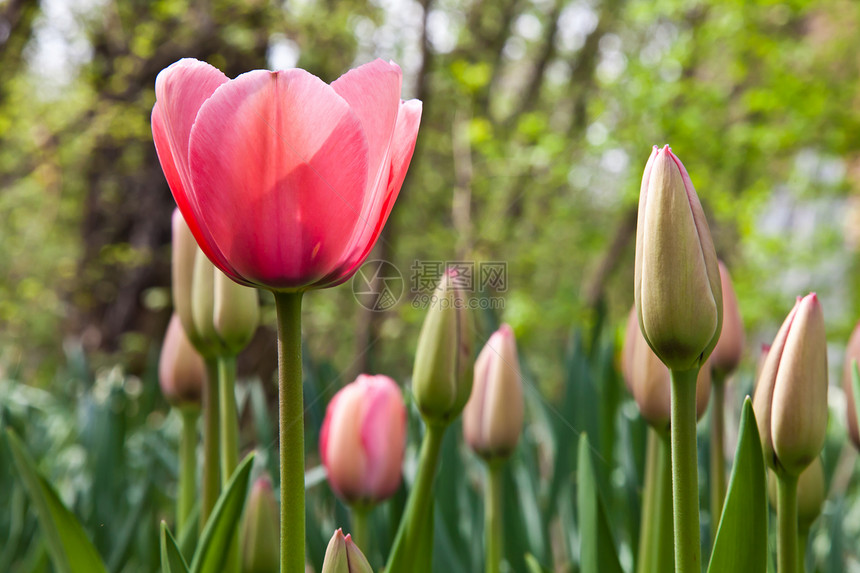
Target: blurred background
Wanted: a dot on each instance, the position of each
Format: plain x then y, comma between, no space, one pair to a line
539,116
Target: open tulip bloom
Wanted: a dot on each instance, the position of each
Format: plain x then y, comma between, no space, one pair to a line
286,183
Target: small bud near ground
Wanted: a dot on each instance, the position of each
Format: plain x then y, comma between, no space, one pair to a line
343,556
791,394
442,375
677,279
260,526
493,417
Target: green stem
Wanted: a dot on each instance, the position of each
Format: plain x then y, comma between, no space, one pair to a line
291,431
493,517
361,526
419,506
802,542
187,467
655,533
786,523
229,423
718,460
685,481
211,443
228,417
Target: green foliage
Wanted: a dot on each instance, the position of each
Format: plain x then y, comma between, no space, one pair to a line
598,552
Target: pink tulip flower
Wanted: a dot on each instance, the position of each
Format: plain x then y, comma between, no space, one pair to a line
285,181
363,439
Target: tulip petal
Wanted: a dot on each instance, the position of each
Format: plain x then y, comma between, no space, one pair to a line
279,165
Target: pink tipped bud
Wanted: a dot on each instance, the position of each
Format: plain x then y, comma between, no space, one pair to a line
493,417
727,353
791,394
181,371
852,354
344,556
677,288
650,384
363,438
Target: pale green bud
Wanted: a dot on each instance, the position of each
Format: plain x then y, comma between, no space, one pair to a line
261,530
442,374
727,353
678,296
203,304
236,312
184,252
344,556
791,394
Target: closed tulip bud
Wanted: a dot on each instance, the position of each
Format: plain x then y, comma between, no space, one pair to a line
679,301
343,556
236,312
442,375
730,346
363,438
650,383
791,394
181,371
493,417
811,493
260,527
852,354
184,252
203,303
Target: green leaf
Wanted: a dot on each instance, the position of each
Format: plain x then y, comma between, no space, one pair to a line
68,545
215,539
533,565
597,550
855,388
741,542
171,558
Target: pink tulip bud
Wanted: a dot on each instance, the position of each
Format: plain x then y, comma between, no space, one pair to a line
852,353
791,394
493,417
677,280
344,556
727,353
260,530
649,382
181,371
363,439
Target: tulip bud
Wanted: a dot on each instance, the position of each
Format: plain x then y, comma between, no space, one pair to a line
442,375
762,356
811,493
493,417
650,384
182,268
343,556
852,354
363,438
260,528
791,395
236,312
679,301
203,302
181,371
730,346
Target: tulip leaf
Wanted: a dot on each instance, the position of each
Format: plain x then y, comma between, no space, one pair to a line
597,550
70,549
741,542
533,565
171,558
855,388
215,539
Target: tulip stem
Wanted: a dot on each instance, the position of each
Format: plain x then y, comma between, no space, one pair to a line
418,514
655,533
493,517
787,556
291,431
360,526
229,442
685,482
211,443
718,459
187,467
229,417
